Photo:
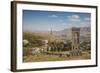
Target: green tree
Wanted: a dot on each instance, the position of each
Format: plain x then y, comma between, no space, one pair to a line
85,45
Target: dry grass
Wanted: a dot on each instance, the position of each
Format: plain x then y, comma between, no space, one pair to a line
46,57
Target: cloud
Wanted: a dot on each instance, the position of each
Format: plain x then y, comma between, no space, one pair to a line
87,19
60,20
85,24
53,16
63,24
74,18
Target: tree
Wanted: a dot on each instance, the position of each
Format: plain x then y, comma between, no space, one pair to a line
67,45
34,40
85,45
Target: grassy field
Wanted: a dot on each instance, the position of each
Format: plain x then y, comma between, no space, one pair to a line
48,57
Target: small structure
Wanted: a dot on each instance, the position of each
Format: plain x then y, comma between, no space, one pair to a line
75,41
45,45
25,42
34,51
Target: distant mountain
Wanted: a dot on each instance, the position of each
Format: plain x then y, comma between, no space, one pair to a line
67,33
85,33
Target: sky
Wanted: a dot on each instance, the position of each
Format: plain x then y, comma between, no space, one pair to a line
45,20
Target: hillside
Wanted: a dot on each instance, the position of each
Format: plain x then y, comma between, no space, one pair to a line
85,33
63,34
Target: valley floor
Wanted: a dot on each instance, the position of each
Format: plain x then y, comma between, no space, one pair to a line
48,57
